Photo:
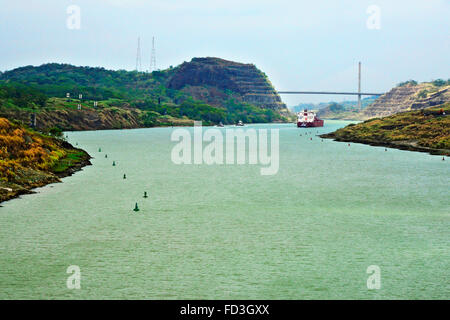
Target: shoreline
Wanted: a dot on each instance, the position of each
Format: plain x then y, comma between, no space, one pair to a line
178,126
14,190
400,145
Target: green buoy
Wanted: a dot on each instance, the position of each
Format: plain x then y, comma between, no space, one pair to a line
99,149
106,156
114,163
136,208
145,194
124,176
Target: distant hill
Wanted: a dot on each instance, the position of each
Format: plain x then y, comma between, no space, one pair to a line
208,89
409,96
309,106
336,110
346,110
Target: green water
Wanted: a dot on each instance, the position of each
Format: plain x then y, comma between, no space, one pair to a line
226,232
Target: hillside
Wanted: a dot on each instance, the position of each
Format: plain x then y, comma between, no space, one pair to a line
222,79
207,89
29,159
409,96
424,130
309,106
345,110
348,104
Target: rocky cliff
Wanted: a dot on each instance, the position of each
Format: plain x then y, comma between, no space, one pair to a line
213,80
406,98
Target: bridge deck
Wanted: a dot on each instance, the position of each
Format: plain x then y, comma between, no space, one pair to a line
331,92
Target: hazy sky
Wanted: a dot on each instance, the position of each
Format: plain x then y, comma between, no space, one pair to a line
301,45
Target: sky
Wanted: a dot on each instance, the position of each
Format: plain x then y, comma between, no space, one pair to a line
300,45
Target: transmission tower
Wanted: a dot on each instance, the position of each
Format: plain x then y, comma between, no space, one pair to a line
153,57
138,56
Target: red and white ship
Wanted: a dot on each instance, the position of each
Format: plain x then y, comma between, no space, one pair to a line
307,119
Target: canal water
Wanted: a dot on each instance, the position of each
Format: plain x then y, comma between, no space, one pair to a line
227,232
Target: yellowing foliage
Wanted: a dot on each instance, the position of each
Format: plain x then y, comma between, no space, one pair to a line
4,123
21,148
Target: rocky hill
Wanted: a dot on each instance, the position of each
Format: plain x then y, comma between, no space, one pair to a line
213,80
406,98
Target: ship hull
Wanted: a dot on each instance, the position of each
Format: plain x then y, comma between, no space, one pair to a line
315,123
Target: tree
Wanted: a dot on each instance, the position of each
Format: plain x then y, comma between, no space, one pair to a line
439,82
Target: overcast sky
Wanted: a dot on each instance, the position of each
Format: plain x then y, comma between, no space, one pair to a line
300,45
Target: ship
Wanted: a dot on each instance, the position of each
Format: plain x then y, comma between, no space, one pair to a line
240,124
308,119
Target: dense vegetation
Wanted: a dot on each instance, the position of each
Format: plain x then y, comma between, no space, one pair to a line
23,148
437,83
424,130
29,159
346,109
32,88
22,96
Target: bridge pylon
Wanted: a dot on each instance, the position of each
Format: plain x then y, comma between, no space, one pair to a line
359,86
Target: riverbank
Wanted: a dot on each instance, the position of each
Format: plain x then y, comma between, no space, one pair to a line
29,160
67,119
424,130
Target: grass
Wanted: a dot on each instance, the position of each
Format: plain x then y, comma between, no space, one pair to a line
72,158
